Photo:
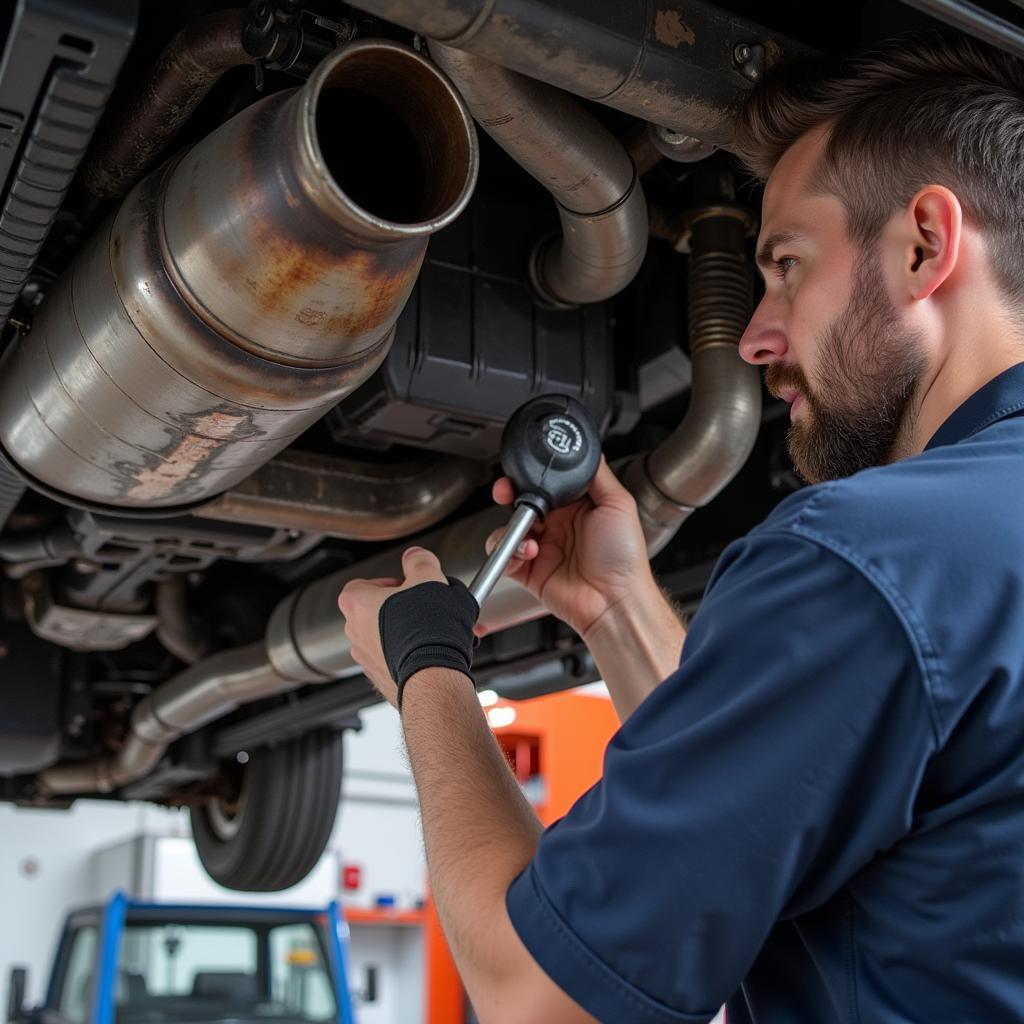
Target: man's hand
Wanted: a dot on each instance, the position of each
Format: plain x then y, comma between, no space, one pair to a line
360,602
585,558
587,562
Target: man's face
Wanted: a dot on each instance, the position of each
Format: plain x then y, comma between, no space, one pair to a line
831,338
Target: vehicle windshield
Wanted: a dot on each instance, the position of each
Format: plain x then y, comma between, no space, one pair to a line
190,972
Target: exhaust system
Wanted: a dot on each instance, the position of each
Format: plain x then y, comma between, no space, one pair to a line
242,290
305,640
304,643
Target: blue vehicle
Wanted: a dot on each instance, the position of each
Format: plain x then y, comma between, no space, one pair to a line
126,962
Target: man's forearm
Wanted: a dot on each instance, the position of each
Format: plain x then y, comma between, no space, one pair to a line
478,829
636,645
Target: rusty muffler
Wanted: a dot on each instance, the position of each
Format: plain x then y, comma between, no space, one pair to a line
242,289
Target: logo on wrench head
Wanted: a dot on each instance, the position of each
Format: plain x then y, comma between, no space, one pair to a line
562,436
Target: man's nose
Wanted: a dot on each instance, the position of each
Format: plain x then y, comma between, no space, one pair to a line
764,340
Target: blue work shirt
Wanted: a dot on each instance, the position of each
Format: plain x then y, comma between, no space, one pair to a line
820,815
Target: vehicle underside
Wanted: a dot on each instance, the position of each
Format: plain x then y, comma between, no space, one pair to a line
273,279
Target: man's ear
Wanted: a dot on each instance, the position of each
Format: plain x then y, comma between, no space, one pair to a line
935,220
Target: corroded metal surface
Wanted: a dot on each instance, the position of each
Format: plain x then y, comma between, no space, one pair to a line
183,74
239,292
338,497
669,62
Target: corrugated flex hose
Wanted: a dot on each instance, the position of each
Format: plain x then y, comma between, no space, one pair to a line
11,489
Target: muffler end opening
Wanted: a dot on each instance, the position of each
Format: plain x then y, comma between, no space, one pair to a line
394,137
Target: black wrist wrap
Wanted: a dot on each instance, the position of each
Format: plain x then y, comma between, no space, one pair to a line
428,626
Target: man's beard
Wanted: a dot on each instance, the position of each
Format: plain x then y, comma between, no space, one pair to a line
861,409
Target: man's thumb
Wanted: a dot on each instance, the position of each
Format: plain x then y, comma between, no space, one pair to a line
421,566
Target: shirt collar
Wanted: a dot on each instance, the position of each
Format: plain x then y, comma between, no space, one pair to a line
1001,397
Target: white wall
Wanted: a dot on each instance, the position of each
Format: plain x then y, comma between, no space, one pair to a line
59,844
378,829
378,826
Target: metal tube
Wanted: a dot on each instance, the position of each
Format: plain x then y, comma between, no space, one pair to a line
670,63
198,695
337,497
181,633
54,545
305,635
587,171
491,571
716,436
720,425
134,137
544,129
305,643
975,21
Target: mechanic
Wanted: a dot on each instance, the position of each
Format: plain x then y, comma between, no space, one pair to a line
817,813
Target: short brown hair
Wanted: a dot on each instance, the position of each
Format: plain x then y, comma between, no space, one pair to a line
922,109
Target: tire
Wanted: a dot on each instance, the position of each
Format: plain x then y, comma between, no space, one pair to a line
272,836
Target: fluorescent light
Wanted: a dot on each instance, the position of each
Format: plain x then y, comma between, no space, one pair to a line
498,717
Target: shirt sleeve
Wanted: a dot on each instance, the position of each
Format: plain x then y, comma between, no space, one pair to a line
781,757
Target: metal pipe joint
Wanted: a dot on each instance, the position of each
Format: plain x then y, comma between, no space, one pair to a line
589,174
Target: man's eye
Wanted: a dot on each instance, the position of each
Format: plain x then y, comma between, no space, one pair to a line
782,264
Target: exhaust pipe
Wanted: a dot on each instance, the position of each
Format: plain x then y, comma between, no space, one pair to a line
242,290
134,136
680,64
587,171
199,694
709,447
354,500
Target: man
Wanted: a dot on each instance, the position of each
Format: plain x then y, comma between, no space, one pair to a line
819,814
